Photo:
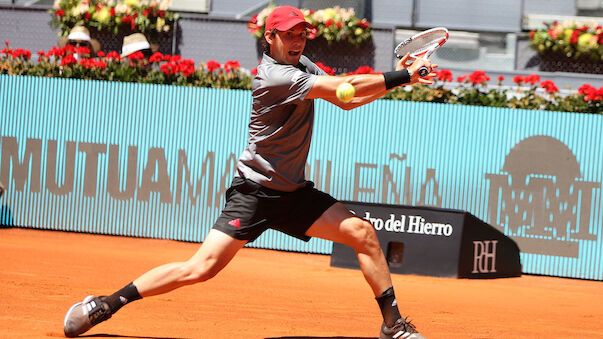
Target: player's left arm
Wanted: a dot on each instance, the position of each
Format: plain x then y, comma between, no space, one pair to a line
368,87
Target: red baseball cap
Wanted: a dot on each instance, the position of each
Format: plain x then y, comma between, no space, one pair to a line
284,17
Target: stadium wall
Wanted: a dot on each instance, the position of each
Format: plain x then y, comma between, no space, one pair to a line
154,161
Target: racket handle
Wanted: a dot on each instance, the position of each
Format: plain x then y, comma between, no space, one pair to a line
423,71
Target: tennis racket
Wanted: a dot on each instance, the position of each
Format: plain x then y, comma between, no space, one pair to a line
422,45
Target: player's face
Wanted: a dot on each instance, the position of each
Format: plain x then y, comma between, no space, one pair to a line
286,47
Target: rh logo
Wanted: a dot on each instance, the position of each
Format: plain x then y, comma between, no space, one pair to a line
484,256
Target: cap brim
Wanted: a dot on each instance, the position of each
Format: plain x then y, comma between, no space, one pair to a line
287,25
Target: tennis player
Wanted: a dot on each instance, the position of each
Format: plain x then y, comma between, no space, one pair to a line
269,189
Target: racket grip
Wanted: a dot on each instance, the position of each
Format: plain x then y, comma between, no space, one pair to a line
423,71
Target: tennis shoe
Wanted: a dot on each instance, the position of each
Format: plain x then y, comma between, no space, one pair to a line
402,329
83,315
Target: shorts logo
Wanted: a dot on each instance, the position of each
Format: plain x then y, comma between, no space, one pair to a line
236,223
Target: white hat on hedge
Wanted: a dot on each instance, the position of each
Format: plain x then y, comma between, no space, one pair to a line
77,35
134,43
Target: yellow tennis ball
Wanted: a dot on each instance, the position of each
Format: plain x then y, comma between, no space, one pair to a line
345,91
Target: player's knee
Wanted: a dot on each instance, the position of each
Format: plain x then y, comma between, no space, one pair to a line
200,271
364,236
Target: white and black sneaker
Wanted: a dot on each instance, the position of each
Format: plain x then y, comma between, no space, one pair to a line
402,329
83,315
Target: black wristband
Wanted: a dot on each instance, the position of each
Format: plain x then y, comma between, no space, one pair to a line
396,78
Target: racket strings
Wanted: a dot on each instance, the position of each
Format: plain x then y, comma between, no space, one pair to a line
421,44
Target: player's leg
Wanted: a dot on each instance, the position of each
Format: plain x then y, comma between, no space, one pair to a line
340,225
214,254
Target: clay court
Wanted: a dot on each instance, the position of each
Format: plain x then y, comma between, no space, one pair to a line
270,294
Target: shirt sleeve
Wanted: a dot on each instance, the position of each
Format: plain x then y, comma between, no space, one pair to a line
288,82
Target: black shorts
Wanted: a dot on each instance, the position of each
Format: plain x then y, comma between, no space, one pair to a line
252,208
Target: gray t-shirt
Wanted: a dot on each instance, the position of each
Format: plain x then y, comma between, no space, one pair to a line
280,129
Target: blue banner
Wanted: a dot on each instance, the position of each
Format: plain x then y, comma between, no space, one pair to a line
155,161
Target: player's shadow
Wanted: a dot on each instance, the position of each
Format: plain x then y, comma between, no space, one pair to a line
302,337
106,335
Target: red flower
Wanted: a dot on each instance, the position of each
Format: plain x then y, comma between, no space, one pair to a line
518,79
591,93
325,68
133,22
161,14
19,52
41,53
574,38
88,63
478,77
444,75
501,78
69,49
126,19
136,56
60,13
339,24
329,22
532,79
186,67
594,95
87,16
56,52
532,33
363,24
6,43
100,54
584,89
169,68
82,50
364,70
112,11
549,86
175,58
212,65
68,60
113,55
101,64
462,78
254,71
552,33
156,57
231,64
252,24
146,12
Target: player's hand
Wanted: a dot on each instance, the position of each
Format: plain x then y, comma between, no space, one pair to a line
414,69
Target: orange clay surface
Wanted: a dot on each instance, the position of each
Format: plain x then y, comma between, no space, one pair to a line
270,294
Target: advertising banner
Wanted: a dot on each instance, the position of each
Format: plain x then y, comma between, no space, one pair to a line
155,161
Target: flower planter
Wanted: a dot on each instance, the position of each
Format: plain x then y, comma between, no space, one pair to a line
342,57
555,62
